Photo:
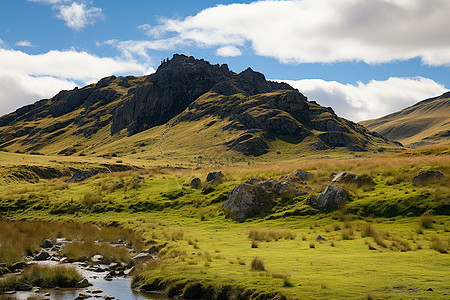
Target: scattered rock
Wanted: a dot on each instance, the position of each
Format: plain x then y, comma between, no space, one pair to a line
82,283
252,181
425,176
302,175
96,291
345,177
105,261
320,238
214,177
129,271
43,255
120,185
81,175
83,296
97,258
48,243
330,198
136,181
247,200
108,297
196,183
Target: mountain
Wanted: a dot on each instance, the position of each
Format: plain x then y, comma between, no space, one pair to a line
425,123
186,108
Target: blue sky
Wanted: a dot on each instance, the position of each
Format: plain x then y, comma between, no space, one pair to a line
363,58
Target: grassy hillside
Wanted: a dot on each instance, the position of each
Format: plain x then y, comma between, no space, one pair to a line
388,241
425,123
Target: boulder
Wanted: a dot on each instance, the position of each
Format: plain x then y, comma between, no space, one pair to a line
248,200
302,175
43,255
214,177
48,243
425,176
196,183
330,198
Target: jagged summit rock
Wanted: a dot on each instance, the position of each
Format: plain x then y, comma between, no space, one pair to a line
182,93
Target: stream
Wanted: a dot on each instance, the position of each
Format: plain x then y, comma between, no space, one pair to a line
119,287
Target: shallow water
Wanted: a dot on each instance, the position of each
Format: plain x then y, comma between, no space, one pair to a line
120,288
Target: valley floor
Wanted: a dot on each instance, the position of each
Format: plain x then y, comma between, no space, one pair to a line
391,241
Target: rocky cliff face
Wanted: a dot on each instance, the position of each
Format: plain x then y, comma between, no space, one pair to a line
184,90
176,84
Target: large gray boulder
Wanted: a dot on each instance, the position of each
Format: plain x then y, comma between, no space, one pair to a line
330,198
246,200
425,176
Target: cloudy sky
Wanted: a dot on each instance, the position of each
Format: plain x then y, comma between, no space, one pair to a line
364,58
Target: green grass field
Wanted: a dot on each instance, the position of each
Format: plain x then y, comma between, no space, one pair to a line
402,254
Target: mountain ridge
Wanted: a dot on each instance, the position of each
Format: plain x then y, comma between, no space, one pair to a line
424,123
242,111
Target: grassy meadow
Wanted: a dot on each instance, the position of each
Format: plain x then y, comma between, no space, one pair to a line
390,241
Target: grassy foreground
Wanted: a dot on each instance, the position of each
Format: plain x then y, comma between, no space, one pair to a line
390,241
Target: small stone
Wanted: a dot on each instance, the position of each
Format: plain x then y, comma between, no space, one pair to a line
96,291
105,261
302,175
320,238
82,283
120,185
48,243
97,258
108,297
430,290
43,255
36,289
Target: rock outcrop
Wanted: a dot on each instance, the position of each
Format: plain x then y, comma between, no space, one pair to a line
247,200
425,176
331,198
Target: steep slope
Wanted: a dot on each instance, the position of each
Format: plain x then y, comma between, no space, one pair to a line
187,107
425,123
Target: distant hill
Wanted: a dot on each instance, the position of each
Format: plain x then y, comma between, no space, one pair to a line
425,123
187,108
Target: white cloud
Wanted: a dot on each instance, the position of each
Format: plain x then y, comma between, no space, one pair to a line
26,78
18,89
24,44
229,51
307,31
77,15
368,100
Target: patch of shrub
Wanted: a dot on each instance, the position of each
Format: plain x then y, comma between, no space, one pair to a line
258,264
439,244
426,220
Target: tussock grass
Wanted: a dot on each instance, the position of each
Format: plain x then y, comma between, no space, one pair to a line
439,244
269,235
426,220
43,276
19,238
85,250
258,264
